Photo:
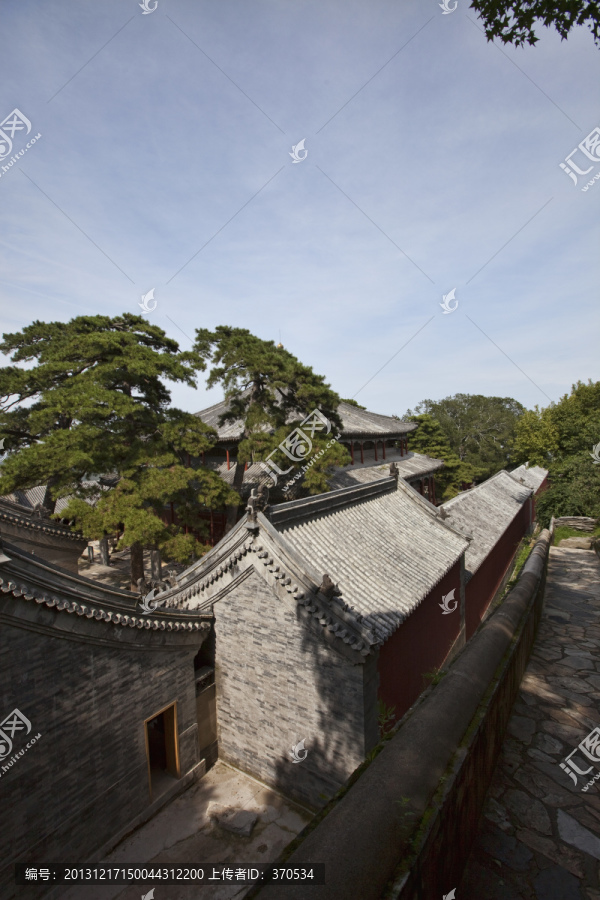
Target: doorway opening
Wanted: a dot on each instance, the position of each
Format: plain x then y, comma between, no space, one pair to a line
162,750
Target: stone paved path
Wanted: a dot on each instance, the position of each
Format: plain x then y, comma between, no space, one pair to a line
540,835
183,834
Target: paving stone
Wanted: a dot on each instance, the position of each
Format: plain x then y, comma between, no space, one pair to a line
537,842
528,811
571,736
539,754
573,684
555,883
594,681
545,789
504,847
484,883
574,651
577,662
576,543
571,831
497,814
522,728
548,744
547,653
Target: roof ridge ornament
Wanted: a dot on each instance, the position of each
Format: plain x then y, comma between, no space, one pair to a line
252,511
328,588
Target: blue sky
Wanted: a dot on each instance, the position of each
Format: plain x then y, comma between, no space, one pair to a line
432,164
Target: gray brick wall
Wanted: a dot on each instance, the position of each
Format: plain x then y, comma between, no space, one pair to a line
277,683
86,777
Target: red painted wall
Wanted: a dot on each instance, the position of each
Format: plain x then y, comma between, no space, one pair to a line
420,645
488,577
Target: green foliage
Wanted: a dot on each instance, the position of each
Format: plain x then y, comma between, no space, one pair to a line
430,439
271,392
513,22
479,429
435,676
561,438
354,403
565,531
573,489
386,717
94,402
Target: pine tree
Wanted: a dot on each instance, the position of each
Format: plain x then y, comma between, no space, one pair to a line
93,403
271,392
430,439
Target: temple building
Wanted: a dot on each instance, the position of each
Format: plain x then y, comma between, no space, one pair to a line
495,515
322,607
105,712
372,440
25,522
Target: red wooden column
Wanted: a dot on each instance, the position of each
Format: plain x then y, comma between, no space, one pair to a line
376,459
227,452
433,487
362,455
383,449
352,452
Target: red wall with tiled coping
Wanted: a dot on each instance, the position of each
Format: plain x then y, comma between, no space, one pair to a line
420,645
481,588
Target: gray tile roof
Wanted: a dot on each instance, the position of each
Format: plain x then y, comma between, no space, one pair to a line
485,512
38,582
386,550
382,543
532,476
410,466
356,423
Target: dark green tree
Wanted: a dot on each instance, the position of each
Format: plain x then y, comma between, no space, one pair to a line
513,21
86,398
479,429
429,438
565,438
270,391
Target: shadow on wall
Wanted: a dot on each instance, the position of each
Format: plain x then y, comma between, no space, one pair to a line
336,732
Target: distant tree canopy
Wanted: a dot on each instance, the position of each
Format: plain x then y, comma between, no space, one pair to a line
513,21
431,440
479,429
562,438
88,399
354,403
271,392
